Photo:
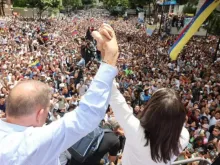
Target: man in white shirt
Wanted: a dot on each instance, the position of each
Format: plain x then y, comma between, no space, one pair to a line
23,140
81,88
214,119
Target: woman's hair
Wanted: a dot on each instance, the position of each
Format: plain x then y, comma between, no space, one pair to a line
162,120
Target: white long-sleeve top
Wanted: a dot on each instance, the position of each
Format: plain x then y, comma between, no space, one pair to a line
135,151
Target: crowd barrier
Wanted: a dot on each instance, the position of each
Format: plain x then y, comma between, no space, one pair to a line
182,162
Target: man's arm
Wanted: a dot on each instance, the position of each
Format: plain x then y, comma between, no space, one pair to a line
46,143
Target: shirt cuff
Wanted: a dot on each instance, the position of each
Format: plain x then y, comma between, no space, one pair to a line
106,72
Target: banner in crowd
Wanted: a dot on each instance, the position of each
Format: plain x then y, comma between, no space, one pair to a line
192,27
169,2
2,23
141,17
150,29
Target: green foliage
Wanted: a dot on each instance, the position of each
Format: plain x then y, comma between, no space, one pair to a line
88,2
139,2
189,8
117,10
113,3
182,2
212,23
41,4
192,2
20,3
116,7
72,3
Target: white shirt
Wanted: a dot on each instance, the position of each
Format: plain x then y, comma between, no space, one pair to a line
107,118
212,121
82,89
43,145
135,151
208,116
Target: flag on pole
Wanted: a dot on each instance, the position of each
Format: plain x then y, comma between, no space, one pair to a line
192,27
150,29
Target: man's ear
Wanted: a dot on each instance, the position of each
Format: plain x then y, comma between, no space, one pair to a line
40,115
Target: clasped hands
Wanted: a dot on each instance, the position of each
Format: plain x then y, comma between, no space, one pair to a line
107,44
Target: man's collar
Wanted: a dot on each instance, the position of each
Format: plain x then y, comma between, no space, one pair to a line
9,127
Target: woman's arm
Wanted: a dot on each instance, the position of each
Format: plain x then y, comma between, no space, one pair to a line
123,113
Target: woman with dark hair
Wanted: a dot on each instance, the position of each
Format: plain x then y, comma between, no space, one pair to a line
158,136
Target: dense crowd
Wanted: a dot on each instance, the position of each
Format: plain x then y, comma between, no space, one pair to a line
62,53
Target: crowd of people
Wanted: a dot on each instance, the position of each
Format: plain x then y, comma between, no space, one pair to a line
62,53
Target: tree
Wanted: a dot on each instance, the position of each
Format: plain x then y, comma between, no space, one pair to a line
114,3
183,2
212,23
189,8
88,2
72,3
20,3
2,11
43,5
139,2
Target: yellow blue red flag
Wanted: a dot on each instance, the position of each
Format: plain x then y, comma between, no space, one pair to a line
192,27
36,64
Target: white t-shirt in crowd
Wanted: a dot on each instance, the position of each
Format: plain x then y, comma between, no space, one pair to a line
212,121
107,118
82,89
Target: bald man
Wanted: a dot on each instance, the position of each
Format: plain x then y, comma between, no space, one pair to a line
23,140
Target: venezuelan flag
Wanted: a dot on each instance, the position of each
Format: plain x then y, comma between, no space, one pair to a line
45,36
150,29
36,64
192,27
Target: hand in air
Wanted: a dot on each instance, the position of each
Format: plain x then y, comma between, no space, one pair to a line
107,44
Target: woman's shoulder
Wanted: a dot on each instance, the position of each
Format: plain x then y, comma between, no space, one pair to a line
184,138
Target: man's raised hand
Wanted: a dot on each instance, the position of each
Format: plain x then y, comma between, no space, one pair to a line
107,44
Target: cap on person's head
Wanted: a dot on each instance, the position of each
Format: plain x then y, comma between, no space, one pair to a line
62,85
198,110
146,89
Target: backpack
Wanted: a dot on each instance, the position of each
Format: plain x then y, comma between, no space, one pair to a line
88,145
